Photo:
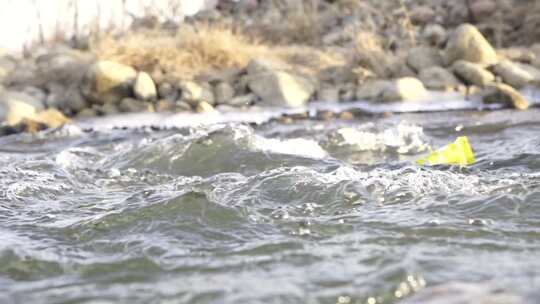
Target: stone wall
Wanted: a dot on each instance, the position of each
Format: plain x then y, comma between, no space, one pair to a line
26,22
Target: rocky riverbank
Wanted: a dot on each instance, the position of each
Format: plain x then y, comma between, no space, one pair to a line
277,54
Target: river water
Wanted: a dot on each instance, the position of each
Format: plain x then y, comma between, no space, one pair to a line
306,212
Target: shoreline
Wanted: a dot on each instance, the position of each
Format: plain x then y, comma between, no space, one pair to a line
230,59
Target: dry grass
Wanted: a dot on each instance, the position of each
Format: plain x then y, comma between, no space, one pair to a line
195,49
296,41
190,51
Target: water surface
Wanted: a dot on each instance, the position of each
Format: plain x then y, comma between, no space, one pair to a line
278,213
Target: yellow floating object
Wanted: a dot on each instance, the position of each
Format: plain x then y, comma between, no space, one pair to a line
457,153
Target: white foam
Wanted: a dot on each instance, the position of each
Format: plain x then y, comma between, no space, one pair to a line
75,158
295,146
405,138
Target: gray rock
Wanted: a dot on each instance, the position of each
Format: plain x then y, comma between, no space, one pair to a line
65,66
422,14
517,54
108,82
276,87
438,78
330,94
513,74
404,70
182,106
144,87
420,58
204,107
229,75
481,9
15,106
337,75
133,105
25,98
241,85
36,92
193,93
24,74
242,100
281,89
223,92
473,73
347,92
467,43
171,106
534,71
261,66
107,109
87,113
372,90
168,91
404,89
435,34
68,100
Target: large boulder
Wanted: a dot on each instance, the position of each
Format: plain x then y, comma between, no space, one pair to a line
514,74
282,89
405,89
402,89
50,118
63,66
420,58
223,92
467,43
473,73
67,99
145,88
108,82
15,107
534,71
438,78
193,93
276,87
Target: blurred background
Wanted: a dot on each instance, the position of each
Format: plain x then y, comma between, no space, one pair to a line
24,22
